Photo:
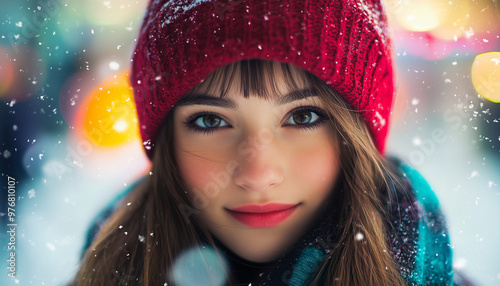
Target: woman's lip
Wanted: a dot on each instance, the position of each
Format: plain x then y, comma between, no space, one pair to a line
260,216
273,207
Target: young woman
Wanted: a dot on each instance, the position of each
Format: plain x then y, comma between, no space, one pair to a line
265,122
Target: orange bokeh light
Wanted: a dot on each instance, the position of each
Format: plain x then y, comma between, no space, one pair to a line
6,72
108,116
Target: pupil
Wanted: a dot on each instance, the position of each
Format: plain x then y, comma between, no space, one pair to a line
211,121
302,117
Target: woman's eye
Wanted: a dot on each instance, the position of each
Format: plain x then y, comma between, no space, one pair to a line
302,117
209,121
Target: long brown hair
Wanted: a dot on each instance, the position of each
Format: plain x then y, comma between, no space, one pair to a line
157,222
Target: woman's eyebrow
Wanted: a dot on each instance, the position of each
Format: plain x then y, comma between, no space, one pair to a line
203,99
296,95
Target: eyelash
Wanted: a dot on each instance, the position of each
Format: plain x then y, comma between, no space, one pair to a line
190,122
322,116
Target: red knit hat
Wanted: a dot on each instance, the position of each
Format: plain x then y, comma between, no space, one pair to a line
343,42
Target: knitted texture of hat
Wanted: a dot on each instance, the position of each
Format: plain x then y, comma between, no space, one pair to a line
343,42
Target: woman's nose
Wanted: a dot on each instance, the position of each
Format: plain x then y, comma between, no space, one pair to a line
259,165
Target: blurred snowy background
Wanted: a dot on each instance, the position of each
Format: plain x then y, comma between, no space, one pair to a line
63,67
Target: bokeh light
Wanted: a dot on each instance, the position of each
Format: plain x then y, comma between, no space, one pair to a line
109,113
199,267
111,12
454,19
6,72
434,30
447,20
486,75
26,73
422,15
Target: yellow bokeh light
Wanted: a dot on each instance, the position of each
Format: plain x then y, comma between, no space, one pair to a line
422,15
485,75
443,19
110,115
455,20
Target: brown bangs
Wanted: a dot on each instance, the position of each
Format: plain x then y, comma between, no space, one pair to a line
252,77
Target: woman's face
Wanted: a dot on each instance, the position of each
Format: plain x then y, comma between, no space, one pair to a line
258,170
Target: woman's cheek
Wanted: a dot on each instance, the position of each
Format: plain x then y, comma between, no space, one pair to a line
206,176
193,170
317,165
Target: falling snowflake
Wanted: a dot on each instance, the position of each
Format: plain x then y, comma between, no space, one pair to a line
114,66
359,236
50,246
6,154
